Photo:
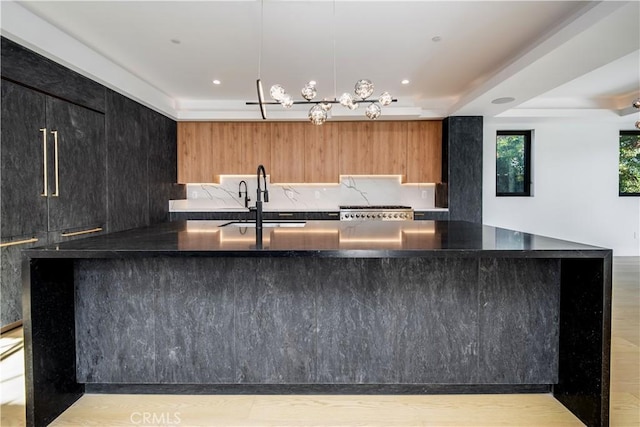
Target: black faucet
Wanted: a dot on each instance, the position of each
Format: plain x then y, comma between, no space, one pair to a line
246,195
259,203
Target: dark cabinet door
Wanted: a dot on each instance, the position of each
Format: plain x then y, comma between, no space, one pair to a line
23,207
77,184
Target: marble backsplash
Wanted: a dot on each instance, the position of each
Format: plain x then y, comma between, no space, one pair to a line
352,190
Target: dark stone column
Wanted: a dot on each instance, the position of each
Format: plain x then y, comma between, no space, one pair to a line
462,166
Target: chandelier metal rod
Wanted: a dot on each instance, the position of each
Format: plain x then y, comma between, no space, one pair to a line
327,101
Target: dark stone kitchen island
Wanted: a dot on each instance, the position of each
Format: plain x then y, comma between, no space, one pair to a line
331,307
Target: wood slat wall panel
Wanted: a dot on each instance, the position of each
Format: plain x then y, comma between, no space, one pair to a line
227,148
424,151
294,152
256,144
389,148
356,153
322,154
287,152
195,152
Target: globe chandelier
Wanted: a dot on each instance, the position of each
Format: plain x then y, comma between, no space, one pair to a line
320,109
319,112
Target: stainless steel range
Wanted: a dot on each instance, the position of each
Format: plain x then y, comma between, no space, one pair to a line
376,213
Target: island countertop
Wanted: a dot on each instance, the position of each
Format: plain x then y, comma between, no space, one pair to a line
320,239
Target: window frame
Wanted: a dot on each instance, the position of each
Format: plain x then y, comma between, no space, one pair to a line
625,132
527,134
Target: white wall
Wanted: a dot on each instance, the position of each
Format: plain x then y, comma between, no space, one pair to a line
574,184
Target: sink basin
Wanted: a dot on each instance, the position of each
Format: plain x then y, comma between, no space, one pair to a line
265,224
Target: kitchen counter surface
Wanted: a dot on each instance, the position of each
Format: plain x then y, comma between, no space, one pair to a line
320,239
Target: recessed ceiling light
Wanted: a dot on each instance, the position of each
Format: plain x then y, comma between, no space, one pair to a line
175,41
504,100
405,82
436,39
216,82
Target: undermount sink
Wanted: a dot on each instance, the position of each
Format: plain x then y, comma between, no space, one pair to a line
265,224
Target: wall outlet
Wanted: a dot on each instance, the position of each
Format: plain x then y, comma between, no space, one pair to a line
289,194
194,194
424,194
316,194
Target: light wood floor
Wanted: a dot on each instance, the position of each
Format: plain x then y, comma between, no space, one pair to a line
474,410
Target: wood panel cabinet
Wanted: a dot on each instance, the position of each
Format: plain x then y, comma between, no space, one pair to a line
389,148
424,151
322,153
256,144
287,152
377,148
356,154
195,152
296,152
227,148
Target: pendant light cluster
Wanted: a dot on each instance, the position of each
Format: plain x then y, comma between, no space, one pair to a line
319,112
636,104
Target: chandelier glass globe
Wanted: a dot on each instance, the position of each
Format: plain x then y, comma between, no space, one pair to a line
364,88
308,91
636,103
385,99
277,93
287,101
317,115
346,99
373,111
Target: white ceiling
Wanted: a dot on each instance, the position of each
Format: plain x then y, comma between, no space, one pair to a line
551,56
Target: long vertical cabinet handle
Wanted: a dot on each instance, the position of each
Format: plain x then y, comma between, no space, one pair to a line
45,192
56,193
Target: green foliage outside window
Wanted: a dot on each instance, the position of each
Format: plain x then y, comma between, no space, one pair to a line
629,178
512,175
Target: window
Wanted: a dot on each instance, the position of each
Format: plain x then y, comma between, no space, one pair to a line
513,163
629,168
